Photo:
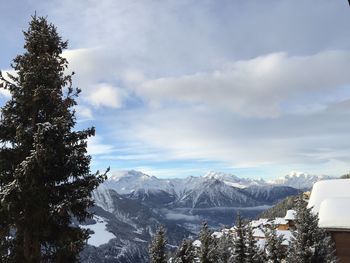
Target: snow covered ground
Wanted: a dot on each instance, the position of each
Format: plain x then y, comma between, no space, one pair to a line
101,235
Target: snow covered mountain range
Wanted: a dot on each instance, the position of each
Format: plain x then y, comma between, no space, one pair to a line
130,205
127,182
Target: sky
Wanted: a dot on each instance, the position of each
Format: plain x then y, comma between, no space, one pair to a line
182,87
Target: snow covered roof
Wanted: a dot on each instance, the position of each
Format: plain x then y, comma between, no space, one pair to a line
331,200
280,221
287,236
328,189
257,232
335,213
290,215
225,231
217,234
197,243
257,223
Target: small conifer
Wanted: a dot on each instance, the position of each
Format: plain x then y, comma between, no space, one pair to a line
157,249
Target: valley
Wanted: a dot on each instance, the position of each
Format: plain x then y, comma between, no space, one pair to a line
130,205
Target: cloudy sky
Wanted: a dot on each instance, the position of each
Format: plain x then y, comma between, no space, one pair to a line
181,87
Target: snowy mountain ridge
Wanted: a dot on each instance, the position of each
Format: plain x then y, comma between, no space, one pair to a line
127,182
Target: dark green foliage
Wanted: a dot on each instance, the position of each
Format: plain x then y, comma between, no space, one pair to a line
280,209
311,244
302,248
274,251
157,249
185,253
239,248
325,249
252,254
224,249
208,251
45,178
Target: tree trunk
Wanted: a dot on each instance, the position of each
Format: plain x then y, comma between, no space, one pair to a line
31,247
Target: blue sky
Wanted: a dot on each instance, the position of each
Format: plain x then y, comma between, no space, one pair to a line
176,88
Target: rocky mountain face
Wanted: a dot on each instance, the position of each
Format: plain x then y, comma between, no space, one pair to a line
122,228
130,205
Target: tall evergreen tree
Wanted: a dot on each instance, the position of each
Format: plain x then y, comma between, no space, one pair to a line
224,249
274,251
252,253
302,247
208,249
157,249
185,253
45,179
310,243
239,248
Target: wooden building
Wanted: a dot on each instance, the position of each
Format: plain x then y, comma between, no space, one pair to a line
331,200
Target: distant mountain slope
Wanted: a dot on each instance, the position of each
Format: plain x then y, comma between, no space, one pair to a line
126,182
215,193
125,228
271,194
233,180
280,209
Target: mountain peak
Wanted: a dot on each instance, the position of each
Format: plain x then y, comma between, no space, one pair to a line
128,173
220,175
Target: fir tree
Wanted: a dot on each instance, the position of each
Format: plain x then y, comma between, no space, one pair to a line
157,251
310,243
324,249
274,251
252,253
185,253
224,249
45,179
302,247
208,249
239,248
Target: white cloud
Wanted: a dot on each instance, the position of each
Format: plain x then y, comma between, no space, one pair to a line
96,147
257,87
179,216
96,71
305,142
84,113
106,95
